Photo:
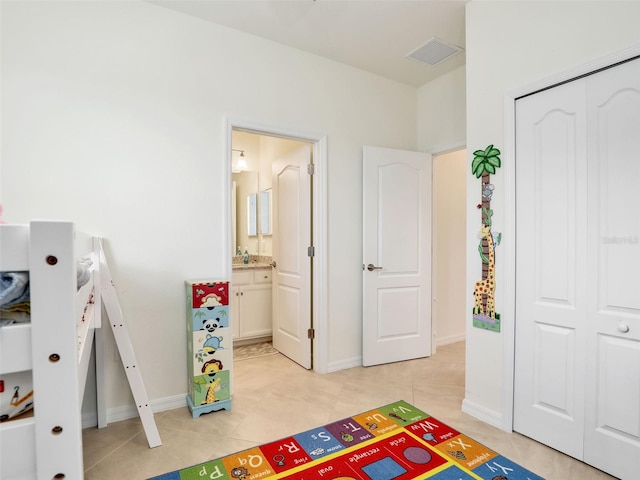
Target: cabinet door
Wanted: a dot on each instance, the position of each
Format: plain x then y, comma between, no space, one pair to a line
255,310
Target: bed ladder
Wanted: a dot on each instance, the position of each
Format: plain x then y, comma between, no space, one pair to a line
125,348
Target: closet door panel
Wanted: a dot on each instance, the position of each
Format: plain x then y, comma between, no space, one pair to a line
554,161
618,179
554,370
613,390
618,412
551,274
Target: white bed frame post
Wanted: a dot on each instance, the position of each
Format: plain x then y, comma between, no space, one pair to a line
123,342
58,429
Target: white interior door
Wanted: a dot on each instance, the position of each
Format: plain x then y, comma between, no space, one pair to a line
612,428
577,382
292,271
397,255
551,293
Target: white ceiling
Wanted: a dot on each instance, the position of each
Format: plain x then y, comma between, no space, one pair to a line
373,35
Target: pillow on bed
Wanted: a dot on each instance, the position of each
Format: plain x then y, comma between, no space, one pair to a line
83,271
14,288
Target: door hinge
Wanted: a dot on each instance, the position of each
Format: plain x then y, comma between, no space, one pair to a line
311,168
311,251
311,333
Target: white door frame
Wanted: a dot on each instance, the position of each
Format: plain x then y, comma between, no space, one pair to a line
318,222
508,328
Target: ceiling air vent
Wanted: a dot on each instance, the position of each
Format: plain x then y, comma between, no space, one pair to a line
434,51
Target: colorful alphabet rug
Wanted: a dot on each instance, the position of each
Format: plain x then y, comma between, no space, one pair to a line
396,441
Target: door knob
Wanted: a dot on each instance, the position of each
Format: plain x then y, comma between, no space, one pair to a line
623,327
371,267
274,264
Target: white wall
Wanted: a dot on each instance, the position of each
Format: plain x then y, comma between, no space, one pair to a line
441,126
113,116
510,45
442,112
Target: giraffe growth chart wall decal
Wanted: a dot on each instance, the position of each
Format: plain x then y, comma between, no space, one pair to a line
485,162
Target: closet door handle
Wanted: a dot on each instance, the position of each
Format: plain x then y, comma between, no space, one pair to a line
371,267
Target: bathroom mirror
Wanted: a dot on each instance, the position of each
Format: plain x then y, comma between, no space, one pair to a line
252,214
246,184
265,212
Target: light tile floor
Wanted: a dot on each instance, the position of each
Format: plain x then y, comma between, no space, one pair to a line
274,398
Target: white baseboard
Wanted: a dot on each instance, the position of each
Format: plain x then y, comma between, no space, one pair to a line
442,341
89,420
483,413
357,361
126,412
345,364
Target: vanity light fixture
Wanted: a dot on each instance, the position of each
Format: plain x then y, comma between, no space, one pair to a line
240,164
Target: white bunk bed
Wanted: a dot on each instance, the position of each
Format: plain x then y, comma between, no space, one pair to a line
55,346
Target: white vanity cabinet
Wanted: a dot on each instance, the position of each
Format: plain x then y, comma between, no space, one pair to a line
251,304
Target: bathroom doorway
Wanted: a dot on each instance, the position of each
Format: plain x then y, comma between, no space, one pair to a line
283,237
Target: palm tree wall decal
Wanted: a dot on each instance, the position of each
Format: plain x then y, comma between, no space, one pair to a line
485,162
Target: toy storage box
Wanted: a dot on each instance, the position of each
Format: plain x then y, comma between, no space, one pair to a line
210,346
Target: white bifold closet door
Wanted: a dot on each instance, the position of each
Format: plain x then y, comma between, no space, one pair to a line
577,353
